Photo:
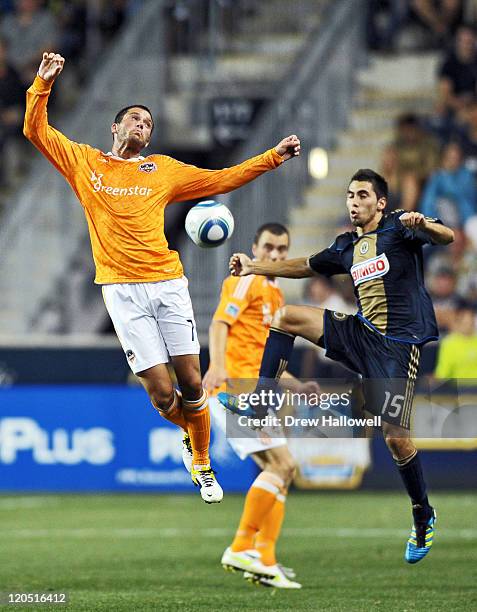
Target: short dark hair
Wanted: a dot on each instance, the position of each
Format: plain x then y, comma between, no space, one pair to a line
378,182
277,229
120,114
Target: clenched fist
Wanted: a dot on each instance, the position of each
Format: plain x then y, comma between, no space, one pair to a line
413,220
239,264
51,66
288,147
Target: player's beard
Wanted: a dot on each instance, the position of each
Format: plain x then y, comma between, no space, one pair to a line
356,222
136,142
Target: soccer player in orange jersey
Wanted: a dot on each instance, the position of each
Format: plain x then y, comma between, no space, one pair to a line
124,196
238,334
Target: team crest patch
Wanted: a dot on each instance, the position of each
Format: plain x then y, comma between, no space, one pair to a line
232,310
339,316
148,167
364,247
130,356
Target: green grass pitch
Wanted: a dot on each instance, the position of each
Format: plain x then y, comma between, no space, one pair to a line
162,552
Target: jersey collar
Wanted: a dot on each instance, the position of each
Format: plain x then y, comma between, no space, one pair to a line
357,237
131,159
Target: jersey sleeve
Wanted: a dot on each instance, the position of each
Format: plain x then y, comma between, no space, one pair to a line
63,153
188,182
416,236
328,262
235,297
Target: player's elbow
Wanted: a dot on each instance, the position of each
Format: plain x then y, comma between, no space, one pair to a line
449,236
27,131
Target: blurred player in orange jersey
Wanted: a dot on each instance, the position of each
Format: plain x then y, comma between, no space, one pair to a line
238,334
124,196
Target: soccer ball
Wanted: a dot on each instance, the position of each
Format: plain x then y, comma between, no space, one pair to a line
209,224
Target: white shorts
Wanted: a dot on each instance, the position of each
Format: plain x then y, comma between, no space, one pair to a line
250,440
153,321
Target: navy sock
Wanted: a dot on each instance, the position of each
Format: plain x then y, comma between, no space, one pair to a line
413,479
276,354
274,361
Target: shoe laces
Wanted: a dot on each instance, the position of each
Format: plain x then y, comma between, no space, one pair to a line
207,477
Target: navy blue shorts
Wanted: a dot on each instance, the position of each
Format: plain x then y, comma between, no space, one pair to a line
388,367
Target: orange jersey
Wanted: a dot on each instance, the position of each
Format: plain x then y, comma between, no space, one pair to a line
247,304
124,200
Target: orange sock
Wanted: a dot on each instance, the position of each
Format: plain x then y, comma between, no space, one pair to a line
259,501
197,416
266,538
174,412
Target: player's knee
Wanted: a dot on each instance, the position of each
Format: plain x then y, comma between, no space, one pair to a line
189,379
283,318
284,469
192,389
400,447
289,470
161,398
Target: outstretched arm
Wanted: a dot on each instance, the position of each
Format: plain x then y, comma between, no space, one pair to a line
241,265
190,182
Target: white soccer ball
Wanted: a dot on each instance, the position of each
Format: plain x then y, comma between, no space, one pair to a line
209,224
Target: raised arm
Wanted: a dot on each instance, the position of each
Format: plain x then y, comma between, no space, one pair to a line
190,182
241,265
59,150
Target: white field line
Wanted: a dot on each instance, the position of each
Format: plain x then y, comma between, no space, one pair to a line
33,501
218,532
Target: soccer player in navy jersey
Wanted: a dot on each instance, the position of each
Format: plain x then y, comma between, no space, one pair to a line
382,342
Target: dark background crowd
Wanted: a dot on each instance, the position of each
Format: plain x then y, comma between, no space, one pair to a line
430,165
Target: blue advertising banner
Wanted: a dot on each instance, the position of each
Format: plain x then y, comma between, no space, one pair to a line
99,438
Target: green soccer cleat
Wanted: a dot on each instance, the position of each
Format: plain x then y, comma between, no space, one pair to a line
420,540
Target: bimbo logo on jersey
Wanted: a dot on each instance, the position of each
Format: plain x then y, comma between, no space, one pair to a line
133,190
372,268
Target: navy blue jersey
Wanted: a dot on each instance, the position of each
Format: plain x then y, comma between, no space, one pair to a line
387,271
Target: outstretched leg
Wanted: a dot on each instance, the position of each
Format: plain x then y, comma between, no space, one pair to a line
288,322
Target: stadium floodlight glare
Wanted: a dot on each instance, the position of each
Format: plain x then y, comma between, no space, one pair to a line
318,163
